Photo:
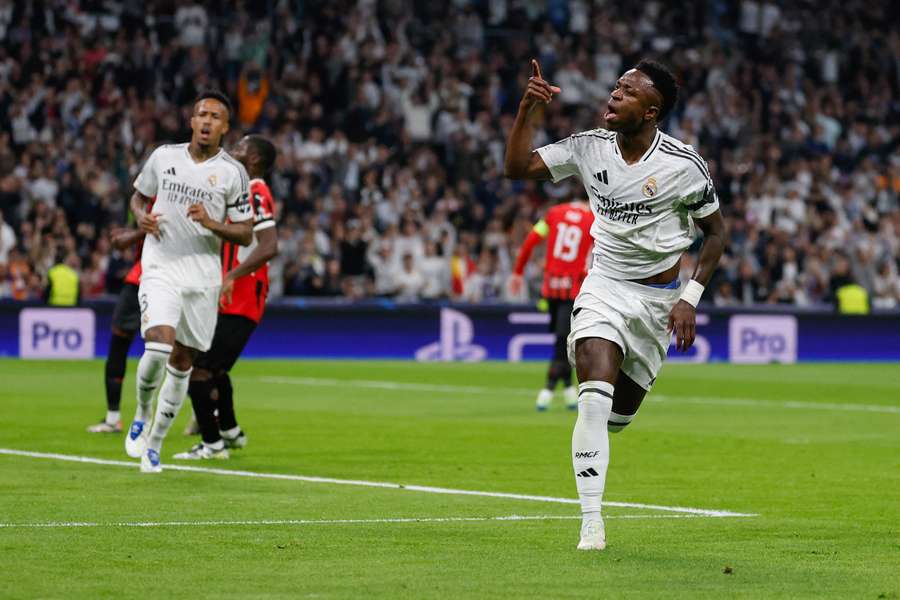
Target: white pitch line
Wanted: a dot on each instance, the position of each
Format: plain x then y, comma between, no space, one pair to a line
472,389
704,512
263,522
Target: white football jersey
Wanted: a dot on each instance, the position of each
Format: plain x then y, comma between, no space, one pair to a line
187,254
642,212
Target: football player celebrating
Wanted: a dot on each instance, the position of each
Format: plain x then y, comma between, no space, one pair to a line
648,192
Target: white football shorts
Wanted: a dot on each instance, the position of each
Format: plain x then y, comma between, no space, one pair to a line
191,311
631,315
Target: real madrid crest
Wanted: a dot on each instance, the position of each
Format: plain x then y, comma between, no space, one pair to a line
649,188
213,180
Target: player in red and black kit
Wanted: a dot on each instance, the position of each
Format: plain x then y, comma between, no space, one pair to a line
567,229
245,286
126,321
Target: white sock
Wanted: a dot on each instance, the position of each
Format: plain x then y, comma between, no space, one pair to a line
231,433
149,373
171,397
113,417
590,445
217,445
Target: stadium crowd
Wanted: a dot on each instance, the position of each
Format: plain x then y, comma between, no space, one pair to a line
390,120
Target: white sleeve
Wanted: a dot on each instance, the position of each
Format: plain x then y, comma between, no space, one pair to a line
701,200
707,204
560,158
237,203
147,180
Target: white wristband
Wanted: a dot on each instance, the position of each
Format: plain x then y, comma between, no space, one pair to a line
692,292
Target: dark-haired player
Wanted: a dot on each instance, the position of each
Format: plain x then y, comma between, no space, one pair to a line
126,320
567,229
244,291
198,186
648,192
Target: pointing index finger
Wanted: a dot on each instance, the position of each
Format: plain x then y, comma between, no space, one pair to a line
536,69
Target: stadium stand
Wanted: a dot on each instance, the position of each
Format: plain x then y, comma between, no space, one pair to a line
390,120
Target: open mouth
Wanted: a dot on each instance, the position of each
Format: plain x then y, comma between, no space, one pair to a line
610,111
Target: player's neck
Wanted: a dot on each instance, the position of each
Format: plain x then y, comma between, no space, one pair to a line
635,144
200,152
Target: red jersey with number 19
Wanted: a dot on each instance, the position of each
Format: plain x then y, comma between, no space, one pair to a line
250,291
567,228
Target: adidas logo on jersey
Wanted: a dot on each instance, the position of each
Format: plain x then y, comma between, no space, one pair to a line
601,177
169,171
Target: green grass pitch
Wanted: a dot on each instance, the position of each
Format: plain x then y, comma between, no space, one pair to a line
812,450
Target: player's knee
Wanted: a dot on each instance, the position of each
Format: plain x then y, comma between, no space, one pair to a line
182,358
617,422
119,332
160,335
200,374
596,359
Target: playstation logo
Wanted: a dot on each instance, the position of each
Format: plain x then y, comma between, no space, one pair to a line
455,343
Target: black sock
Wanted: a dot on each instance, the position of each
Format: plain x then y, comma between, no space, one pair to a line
201,391
227,418
559,370
552,378
115,370
566,376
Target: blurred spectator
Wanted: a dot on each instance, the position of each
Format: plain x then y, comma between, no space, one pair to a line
327,283
724,295
462,268
6,288
62,282
7,239
253,89
886,287
410,282
435,272
384,266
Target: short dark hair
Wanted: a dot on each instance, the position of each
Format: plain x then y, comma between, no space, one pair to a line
665,83
265,150
215,95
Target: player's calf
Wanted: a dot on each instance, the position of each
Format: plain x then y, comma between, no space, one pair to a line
171,397
149,375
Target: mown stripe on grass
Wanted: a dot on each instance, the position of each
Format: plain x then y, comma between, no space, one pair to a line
474,389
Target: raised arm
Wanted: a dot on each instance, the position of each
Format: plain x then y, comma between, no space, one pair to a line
535,237
521,162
